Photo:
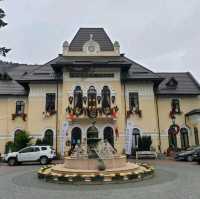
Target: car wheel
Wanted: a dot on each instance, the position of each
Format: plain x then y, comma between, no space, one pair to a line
44,160
12,162
189,158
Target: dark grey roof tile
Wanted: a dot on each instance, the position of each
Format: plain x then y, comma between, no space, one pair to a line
186,84
83,35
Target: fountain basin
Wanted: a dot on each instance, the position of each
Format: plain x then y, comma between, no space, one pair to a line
92,164
130,172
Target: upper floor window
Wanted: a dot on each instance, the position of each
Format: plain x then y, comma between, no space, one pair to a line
133,101
92,101
78,100
20,105
175,105
105,93
50,102
90,75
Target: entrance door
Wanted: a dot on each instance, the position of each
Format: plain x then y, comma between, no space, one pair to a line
75,136
92,134
184,138
108,135
135,140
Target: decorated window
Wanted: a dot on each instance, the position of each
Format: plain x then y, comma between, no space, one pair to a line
78,100
175,106
106,102
92,101
20,105
50,102
133,101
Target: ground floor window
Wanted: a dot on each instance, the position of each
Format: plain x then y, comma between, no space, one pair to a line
184,138
109,135
196,135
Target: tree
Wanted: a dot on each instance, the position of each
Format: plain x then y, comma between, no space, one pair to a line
3,50
21,140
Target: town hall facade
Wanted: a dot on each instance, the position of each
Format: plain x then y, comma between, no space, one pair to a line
91,90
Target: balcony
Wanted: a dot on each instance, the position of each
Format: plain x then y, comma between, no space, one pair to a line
74,114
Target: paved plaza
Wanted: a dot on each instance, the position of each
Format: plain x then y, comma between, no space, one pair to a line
173,180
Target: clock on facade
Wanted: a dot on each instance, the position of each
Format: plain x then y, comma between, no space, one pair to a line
91,48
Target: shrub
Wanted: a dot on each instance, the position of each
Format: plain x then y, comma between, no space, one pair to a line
21,140
9,147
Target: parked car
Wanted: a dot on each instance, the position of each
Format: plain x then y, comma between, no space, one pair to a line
196,156
187,155
42,154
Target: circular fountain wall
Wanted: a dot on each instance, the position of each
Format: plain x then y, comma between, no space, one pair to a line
96,163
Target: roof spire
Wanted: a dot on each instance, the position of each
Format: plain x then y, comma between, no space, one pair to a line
91,36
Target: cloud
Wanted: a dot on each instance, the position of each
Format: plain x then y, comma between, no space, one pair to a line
162,35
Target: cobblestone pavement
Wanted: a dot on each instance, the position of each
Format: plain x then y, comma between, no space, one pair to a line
173,180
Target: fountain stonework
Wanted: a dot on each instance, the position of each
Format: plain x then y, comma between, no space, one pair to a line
95,162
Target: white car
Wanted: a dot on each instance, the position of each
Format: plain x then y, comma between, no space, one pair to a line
42,154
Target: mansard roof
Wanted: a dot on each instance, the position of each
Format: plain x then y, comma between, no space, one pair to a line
14,71
139,72
11,87
186,84
91,61
83,35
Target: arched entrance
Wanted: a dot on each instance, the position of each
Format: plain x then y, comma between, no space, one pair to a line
184,138
92,133
109,135
75,136
48,137
18,131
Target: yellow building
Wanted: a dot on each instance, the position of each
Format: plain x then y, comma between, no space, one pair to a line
92,90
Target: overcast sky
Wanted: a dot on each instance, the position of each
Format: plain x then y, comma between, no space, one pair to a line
163,35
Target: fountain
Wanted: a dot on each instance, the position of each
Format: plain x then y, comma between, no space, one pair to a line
95,161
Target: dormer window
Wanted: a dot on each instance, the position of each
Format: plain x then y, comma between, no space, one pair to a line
172,83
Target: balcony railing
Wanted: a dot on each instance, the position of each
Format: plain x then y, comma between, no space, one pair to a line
95,113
